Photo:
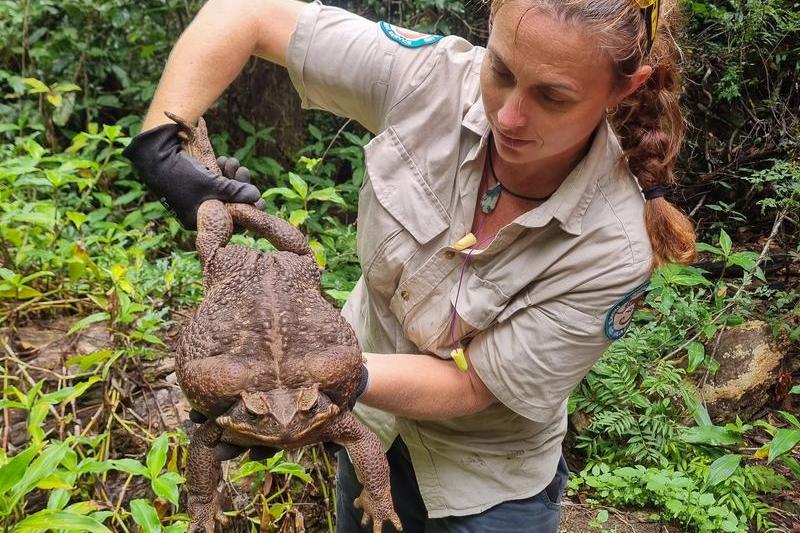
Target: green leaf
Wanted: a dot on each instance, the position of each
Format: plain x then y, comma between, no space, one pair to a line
713,435
68,393
46,520
145,515
298,216
703,247
328,194
796,388
36,86
723,468
791,419
129,466
165,487
12,471
157,456
292,469
39,469
697,352
55,99
248,469
86,321
725,242
282,191
66,87
298,184
783,441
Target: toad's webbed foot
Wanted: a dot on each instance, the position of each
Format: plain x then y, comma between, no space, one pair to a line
378,510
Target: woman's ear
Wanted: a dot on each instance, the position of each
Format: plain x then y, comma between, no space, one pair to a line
635,81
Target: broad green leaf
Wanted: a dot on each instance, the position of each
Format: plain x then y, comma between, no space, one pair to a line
69,393
697,353
165,487
55,99
725,242
791,419
319,253
796,388
36,86
77,218
58,499
328,194
282,191
723,468
145,515
713,435
12,471
703,247
48,520
130,466
39,469
157,456
298,216
248,469
86,321
298,184
292,469
60,479
783,441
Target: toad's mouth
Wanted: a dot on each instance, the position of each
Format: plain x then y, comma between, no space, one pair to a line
267,430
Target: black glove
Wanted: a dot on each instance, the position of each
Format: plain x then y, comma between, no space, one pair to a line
179,180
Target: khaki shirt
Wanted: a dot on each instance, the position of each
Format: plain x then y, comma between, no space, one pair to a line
532,305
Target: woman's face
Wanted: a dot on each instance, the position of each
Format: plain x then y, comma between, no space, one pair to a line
545,86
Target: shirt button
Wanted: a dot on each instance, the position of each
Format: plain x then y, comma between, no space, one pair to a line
405,295
449,254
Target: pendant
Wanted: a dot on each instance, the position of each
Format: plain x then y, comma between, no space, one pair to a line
489,199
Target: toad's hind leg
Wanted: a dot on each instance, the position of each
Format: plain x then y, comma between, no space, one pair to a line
280,233
214,229
372,470
203,472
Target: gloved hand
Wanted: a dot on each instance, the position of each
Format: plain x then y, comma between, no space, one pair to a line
179,180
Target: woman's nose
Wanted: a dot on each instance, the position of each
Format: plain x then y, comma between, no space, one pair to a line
511,115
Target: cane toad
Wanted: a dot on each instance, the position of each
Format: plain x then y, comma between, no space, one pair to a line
265,357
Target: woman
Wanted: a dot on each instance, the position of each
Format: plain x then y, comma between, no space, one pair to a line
502,233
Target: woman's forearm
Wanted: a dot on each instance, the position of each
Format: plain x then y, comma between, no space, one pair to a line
212,51
423,387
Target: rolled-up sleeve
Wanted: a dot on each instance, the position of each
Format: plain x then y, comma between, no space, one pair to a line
533,360
343,63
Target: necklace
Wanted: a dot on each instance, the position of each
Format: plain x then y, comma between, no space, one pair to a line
492,194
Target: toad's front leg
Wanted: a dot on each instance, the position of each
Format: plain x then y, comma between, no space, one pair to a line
372,470
203,472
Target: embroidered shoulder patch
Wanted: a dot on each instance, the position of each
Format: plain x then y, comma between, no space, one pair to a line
620,315
407,38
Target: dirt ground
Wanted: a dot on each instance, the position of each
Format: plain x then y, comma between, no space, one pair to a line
579,518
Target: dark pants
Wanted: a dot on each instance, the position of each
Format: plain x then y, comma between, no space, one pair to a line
537,514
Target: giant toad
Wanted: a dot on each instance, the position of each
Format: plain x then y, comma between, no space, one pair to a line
266,358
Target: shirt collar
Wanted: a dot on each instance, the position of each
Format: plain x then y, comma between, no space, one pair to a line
569,203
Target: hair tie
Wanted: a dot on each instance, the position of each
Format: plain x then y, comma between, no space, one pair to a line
651,11
655,192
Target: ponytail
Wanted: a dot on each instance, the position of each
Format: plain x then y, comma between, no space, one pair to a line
650,126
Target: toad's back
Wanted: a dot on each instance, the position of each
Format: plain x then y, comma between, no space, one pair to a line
265,315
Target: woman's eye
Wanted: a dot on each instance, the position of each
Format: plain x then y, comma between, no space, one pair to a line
502,74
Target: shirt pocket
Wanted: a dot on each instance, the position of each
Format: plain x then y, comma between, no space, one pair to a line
397,214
